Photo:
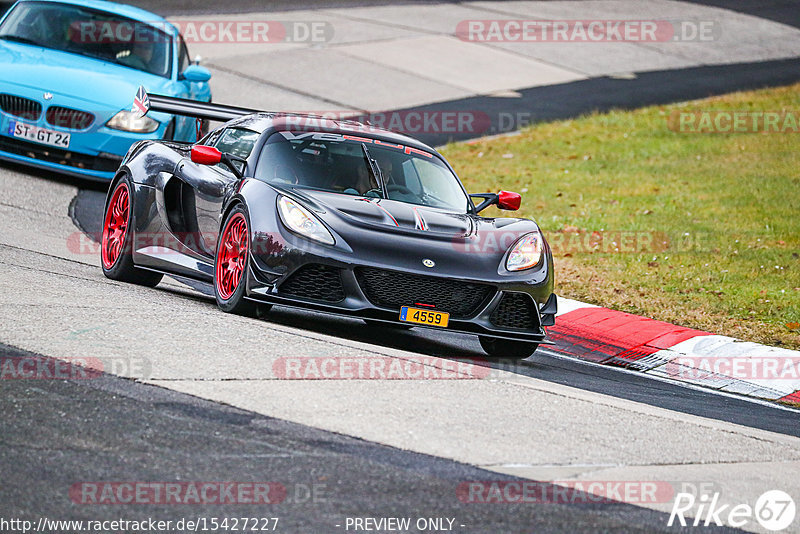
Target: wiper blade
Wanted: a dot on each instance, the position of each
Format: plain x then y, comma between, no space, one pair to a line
19,39
375,169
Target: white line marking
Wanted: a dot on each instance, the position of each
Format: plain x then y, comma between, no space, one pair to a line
566,305
667,380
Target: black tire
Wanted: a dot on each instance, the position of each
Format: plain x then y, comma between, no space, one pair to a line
381,324
229,295
116,244
262,310
507,348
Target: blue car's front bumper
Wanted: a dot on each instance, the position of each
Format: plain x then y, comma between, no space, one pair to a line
95,153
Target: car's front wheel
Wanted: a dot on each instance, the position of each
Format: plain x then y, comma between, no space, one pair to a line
507,348
230,268
116,246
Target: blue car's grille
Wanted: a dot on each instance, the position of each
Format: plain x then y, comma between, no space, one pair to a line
69,118
23,108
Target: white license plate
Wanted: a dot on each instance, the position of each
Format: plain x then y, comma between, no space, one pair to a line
38,135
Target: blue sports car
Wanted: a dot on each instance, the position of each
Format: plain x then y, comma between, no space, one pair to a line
68,69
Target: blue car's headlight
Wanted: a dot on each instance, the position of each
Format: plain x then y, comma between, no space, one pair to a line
300,221
132,122
525,253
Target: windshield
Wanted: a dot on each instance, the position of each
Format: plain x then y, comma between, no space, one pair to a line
338,163
90,33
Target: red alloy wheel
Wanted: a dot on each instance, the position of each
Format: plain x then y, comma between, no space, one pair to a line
116,225
232,256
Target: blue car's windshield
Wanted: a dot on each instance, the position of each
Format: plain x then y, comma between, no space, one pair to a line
338,163
90,33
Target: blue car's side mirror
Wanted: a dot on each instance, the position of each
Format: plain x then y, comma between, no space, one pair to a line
196,73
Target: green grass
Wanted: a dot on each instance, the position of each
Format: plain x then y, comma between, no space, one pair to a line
729,205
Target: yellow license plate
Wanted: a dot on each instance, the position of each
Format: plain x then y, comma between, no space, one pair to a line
415,315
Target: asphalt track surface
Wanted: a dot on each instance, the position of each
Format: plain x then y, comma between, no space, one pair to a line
547,364
111,429
783,11
55,433
536,104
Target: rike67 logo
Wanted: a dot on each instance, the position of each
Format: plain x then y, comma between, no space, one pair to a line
774,510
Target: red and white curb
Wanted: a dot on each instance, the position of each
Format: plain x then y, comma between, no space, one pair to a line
662,349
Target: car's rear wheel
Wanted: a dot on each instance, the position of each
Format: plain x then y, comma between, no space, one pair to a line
507,348
116,246
230,268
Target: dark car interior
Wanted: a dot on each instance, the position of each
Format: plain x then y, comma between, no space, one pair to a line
91,33
342,167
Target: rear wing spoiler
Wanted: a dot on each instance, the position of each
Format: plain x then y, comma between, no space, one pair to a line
143,103
202,111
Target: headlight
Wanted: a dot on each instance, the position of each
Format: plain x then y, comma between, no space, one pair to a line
301,221
525,253
131,122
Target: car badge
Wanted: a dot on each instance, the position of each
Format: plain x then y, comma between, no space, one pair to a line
48,96
428,263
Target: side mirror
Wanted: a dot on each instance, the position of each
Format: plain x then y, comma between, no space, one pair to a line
206,155
196,73
505,200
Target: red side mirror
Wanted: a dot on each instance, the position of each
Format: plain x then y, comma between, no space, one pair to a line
206,155
506,200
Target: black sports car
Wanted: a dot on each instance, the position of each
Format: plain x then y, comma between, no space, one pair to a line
330,215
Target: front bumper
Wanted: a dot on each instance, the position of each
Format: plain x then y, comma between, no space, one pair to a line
99,167
95,153
356,301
